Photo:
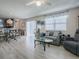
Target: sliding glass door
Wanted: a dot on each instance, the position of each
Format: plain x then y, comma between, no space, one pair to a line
31,28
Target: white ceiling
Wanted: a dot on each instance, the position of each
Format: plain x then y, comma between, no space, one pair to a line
18,8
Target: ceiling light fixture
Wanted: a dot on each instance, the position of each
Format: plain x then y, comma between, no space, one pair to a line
38,3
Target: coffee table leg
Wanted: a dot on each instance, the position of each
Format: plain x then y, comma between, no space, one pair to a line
48,45
34,43
44,46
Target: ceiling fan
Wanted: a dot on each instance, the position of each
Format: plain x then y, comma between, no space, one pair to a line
38,2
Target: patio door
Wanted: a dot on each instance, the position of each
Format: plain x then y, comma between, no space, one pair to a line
31,27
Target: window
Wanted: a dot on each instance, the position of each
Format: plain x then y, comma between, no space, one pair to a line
49,23
1,23
56,23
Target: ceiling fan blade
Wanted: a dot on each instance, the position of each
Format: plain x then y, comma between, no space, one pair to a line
30,3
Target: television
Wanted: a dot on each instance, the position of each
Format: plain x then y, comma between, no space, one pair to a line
1,23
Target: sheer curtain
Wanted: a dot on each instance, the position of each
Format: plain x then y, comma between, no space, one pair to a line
56,22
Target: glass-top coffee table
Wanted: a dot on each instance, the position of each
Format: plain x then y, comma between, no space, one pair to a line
43,42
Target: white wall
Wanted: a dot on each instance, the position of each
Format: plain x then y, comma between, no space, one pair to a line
72,21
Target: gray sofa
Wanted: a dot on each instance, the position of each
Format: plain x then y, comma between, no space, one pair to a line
72,44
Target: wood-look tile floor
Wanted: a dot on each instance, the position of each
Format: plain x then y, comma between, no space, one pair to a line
22,49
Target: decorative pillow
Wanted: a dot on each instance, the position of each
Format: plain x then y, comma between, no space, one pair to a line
51,33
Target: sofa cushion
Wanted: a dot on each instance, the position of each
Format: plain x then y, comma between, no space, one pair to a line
78,48
77,37
71,46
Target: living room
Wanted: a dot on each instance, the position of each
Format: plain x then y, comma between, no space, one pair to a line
39,29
